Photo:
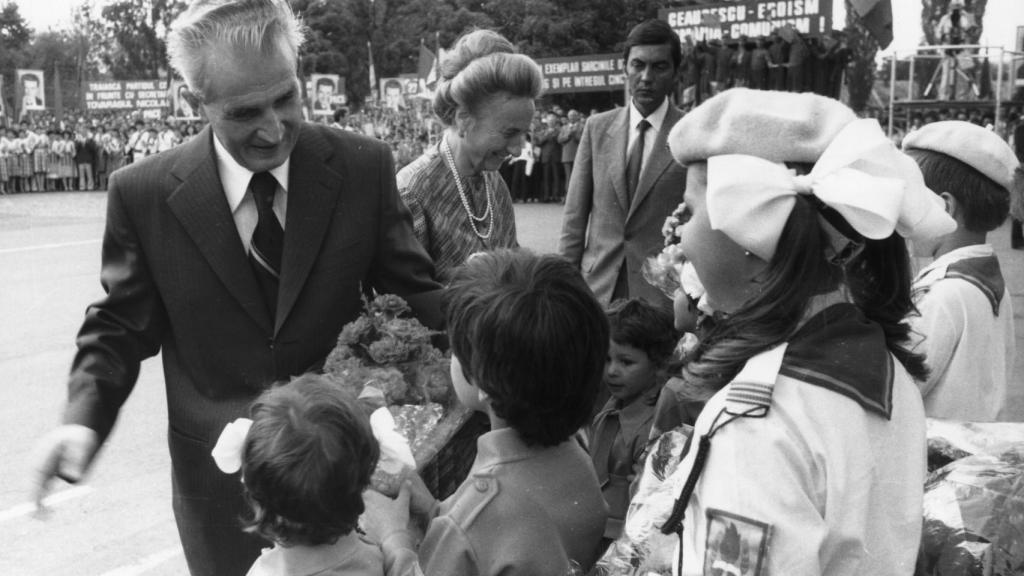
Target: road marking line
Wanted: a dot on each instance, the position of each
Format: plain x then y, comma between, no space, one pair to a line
48,246
48,502
146,564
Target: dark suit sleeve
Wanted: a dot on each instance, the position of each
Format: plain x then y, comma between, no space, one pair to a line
578,201
120,330
401,265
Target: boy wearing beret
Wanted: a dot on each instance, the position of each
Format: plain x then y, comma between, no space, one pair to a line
966,316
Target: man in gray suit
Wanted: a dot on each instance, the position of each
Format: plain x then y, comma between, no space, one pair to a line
624,182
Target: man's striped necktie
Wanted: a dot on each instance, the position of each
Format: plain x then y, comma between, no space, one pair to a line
267,239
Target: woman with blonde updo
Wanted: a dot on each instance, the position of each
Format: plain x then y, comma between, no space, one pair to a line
459,202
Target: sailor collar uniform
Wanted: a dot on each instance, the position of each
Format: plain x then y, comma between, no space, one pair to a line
817,465
965,329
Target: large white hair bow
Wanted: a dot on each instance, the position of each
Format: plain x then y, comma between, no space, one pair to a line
750,198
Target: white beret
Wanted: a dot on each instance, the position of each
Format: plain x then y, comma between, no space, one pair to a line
971,144
776,126
791,127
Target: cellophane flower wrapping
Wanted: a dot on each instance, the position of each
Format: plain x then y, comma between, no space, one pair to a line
387,360
974,506
642,549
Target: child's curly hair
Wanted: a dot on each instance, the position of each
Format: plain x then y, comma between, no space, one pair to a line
642,325
307,459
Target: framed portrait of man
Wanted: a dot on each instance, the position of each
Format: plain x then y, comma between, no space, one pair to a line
392,92
179,102
31,90
325,94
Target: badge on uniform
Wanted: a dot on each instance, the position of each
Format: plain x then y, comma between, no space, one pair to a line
736,546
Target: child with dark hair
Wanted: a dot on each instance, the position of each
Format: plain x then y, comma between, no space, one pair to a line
640,349
305,459
529,342
809,455
966,314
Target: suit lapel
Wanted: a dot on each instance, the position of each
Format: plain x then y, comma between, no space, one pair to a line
614,156
659,161
201,207
313,190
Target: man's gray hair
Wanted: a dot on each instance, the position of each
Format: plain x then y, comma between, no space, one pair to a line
210,25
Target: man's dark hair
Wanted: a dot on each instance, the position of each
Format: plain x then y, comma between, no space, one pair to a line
984,202
340,114
529,332
324,81
654,32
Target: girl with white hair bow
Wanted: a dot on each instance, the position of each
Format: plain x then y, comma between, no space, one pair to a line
809,456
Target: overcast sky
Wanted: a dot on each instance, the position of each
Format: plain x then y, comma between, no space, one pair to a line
1002,17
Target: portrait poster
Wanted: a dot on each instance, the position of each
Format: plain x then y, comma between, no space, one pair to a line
396,92
31,90
180,105
327,96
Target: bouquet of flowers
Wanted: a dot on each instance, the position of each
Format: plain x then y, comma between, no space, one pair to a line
387,360
670,272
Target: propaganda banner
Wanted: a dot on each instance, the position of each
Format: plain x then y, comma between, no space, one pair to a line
750,18
592,73
148,96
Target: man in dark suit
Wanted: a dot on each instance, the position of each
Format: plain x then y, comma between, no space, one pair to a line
624,182
240,255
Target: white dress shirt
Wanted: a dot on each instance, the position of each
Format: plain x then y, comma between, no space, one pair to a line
234,178
656,119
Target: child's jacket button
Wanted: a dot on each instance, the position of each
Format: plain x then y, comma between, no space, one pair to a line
481,484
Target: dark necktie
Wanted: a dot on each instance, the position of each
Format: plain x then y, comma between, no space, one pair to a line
636,159
267,239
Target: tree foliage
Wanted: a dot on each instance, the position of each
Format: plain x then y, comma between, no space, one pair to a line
139,28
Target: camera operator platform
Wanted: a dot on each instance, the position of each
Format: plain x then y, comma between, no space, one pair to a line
954,29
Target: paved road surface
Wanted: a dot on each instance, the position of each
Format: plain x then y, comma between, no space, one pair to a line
119,523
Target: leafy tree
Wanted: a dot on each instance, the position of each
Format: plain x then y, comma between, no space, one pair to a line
139,27
15,36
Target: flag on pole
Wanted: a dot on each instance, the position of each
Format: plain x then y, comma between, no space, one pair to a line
876,16
426,68
58,97
373,75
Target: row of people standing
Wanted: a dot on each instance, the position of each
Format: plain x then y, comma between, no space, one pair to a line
54,160
784,61
78,158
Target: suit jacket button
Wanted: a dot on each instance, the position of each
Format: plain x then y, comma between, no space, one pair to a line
481,485
270,343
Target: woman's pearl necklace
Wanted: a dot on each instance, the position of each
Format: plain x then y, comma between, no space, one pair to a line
473,218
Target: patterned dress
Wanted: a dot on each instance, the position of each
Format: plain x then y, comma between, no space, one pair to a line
439,218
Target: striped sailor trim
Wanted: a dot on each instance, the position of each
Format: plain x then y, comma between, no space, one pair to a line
751,394
984,273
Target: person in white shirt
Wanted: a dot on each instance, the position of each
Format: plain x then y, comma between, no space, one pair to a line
809,456
965,325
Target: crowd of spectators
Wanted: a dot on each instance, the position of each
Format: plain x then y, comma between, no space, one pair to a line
42,154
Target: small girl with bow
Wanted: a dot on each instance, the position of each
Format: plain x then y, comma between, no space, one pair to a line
306,456
809,456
